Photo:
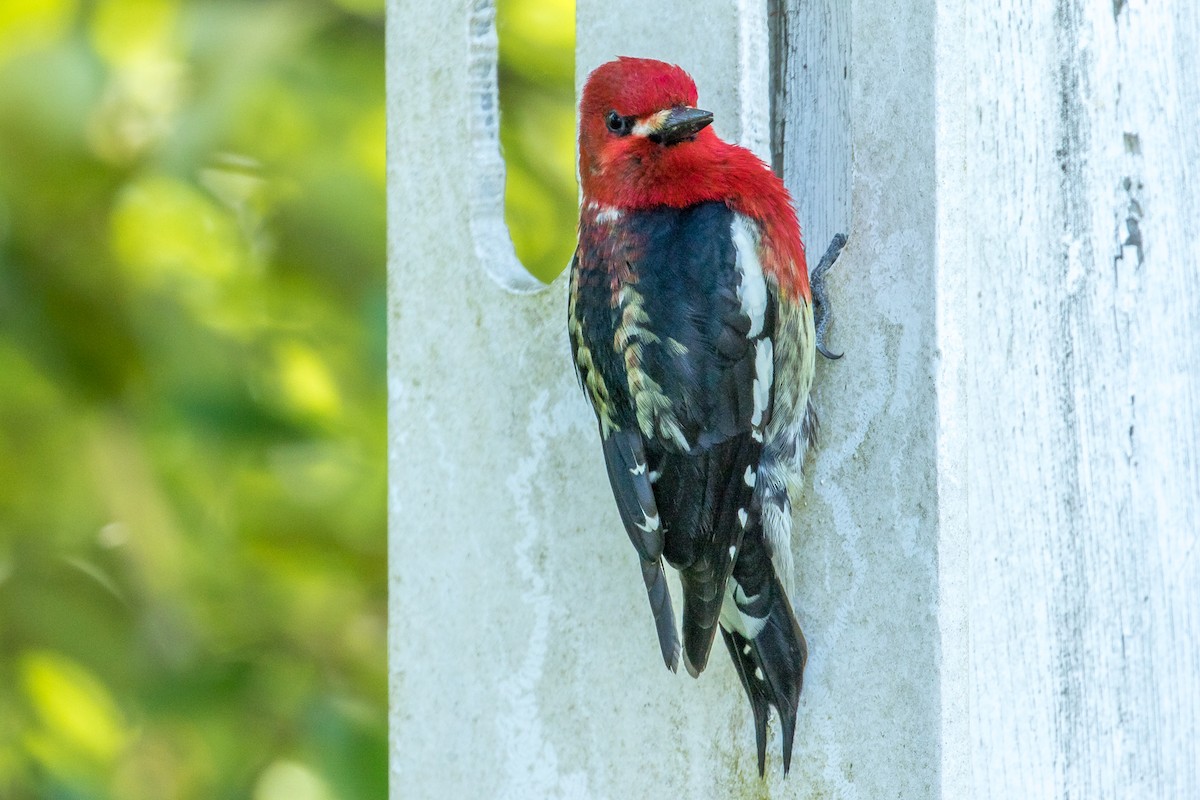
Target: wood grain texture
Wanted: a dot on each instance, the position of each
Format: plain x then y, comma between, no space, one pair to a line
1082,395
855,100
812,134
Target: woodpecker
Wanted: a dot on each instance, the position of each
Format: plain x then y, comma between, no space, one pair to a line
691,320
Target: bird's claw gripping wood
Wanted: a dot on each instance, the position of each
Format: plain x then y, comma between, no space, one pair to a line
822,313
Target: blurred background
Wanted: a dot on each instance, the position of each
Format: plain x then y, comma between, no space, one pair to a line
192,384
537,130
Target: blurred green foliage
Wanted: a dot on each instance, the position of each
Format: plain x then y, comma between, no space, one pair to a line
537,130
192,400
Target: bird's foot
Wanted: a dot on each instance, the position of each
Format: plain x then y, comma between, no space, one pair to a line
822,313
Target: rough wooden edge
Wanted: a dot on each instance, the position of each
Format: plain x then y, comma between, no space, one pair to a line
493,244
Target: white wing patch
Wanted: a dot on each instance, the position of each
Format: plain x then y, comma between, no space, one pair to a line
764,376
732,618
752,291
650,523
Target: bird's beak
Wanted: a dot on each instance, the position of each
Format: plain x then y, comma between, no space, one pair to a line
682,123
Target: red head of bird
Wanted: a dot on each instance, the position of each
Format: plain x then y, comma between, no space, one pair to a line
643,143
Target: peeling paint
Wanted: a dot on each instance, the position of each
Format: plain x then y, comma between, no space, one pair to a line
531,761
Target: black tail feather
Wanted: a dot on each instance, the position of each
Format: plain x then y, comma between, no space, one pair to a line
629,473
759,704
703,591
664,615
707,504
771,668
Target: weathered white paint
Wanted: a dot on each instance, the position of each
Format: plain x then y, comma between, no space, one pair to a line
812,98
492,245
1022,376
1070,207
754,85
953,99
858,153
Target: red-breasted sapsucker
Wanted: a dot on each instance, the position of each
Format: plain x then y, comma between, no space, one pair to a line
691,324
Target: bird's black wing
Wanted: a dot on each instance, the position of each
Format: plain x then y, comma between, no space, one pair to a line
591,322
694,338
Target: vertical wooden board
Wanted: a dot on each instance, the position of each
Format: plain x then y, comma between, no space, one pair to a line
1083,390
856,94
954,85
812,132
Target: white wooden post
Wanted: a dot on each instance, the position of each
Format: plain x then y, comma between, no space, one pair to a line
1009,447
856,105
1069,278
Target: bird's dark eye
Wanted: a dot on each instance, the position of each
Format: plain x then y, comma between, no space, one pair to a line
617,124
